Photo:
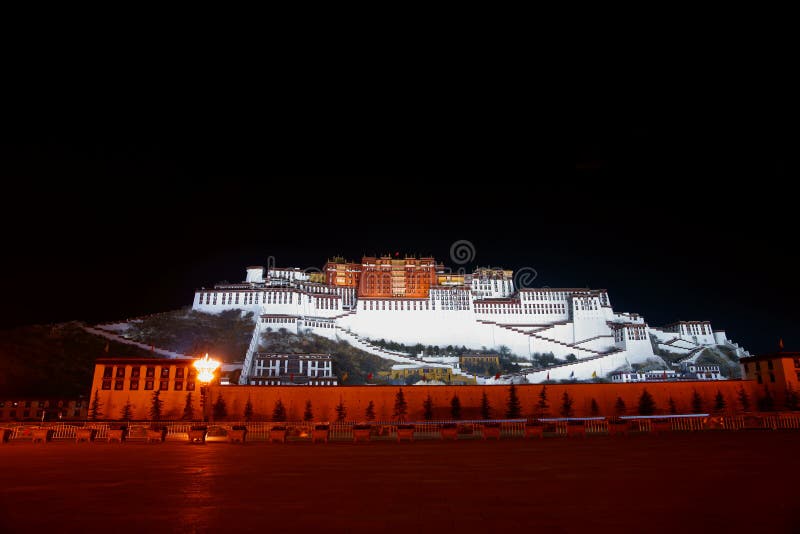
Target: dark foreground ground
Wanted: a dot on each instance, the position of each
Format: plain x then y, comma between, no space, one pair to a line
711,482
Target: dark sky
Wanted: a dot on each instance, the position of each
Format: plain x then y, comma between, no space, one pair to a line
677,221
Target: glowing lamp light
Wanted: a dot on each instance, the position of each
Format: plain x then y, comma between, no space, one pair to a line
205,369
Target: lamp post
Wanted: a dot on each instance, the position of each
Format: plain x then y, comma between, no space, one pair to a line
205,374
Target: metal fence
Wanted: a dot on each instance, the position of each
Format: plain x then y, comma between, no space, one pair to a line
259,431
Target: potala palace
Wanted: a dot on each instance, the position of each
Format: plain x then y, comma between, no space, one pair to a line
416,300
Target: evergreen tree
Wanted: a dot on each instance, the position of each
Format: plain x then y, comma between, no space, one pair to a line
369,414
486,408
279,411
672,408
94,408
697,402
188,408
766,403
220,409
541,405
308,414
744,399
620,407
719,402
127,411
400,405
341,410
156,404
594,409
566,405
248,410
513,408
427,408
647,406
792,400
455,408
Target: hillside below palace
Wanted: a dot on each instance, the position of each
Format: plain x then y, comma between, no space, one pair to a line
417,300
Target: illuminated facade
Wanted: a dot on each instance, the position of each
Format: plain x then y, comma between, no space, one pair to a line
416,300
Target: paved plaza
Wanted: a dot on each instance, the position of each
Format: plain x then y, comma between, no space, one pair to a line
685,482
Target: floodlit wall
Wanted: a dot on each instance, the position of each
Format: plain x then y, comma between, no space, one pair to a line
356,398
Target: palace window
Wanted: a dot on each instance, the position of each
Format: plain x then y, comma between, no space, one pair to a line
148,384
135,372
118,385
189,386
164,385
179,372
134,384
165,372
178,386
120,372
106,384
108,371
151,372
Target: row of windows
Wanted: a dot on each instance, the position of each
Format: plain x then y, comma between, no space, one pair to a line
278,382
396,305
543,295
39,404
311,372
769,365
133,385
150,372
250,297
634,334
12,414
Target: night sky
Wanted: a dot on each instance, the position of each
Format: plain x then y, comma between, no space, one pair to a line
678,222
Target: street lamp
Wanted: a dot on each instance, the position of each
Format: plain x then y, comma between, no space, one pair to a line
205,374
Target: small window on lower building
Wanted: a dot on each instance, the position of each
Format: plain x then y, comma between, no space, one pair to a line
134,385
106,384
119,384
772,377
178,386
189,386
164,385
148,384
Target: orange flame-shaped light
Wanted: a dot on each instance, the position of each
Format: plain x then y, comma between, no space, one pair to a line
205,369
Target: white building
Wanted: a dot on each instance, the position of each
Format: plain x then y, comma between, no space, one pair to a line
480,309
701,371
272,369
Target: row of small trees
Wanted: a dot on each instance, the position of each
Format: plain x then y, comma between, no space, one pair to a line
646,405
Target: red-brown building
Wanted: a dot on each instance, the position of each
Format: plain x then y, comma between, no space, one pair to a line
777,373
387,277
384,276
